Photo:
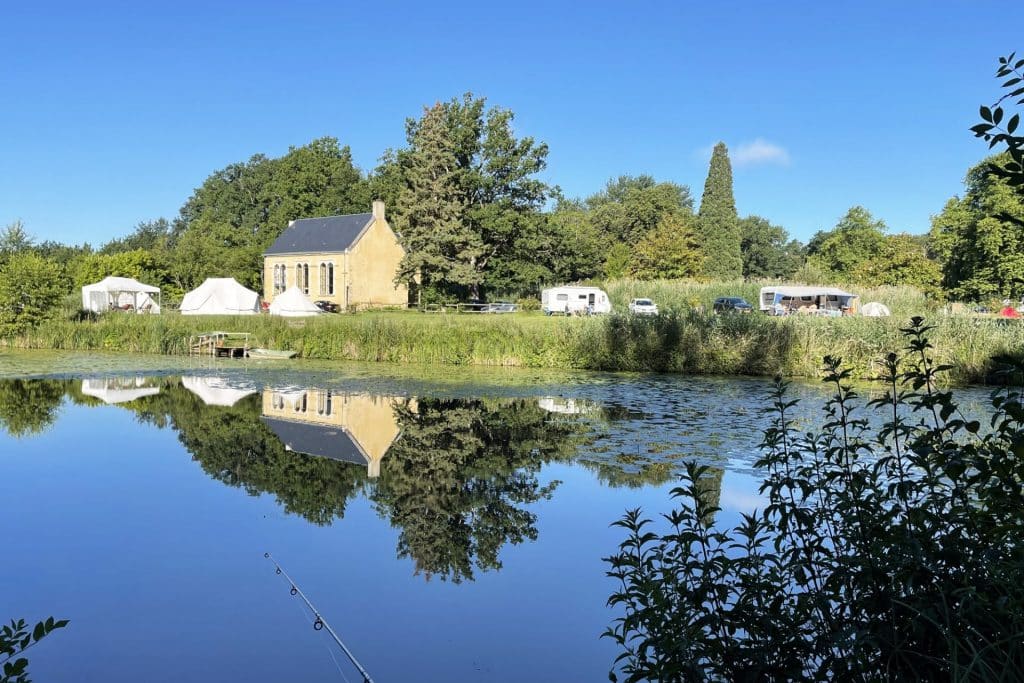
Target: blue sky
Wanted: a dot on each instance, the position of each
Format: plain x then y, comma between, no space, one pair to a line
113,113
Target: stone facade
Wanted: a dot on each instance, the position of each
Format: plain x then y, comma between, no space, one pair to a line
357,278
369,421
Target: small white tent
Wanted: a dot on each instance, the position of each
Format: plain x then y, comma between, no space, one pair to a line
220,296
217,391
293,303
120,293
875,310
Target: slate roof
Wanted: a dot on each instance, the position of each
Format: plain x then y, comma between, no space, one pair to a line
316,235
319,440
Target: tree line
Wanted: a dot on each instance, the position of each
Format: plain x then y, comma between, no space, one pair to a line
466,195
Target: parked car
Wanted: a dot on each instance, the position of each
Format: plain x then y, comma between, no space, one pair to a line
500,307
731,304
327,306
643,307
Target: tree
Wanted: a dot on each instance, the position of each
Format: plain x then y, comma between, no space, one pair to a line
226,225
30,289
14,239
979,238
631,207
767,250
440,247
153,236
141,264
617,261
718,224
493,177
669,251
857,238
902,260
577,246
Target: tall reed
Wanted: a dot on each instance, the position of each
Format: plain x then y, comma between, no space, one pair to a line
686,340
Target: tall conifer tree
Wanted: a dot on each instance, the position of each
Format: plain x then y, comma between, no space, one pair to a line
439,246
717,224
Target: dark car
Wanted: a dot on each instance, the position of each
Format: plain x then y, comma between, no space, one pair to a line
327,306
732,304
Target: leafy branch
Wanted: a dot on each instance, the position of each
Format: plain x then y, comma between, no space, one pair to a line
15,640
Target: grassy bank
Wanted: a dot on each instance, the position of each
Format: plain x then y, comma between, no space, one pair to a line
686,342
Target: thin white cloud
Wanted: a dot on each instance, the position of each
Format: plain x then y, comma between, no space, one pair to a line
758,153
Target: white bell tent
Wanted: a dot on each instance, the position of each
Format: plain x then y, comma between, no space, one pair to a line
875,310
220,296
293,303
120,293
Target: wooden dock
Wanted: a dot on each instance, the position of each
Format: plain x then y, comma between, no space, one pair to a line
220,344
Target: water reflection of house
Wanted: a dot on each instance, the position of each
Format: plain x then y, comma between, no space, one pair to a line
355,428
566,406
119,389
217,391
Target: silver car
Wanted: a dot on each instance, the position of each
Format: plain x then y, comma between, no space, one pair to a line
643,307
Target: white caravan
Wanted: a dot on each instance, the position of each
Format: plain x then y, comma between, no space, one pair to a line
574,300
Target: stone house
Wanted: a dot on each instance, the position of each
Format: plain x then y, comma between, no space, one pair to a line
348,260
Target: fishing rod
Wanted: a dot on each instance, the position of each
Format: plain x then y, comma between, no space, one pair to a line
320,622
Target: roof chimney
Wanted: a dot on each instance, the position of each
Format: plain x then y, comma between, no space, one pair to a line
378,210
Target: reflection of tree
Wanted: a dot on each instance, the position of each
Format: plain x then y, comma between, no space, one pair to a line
623,472
457,480
233,446
29,406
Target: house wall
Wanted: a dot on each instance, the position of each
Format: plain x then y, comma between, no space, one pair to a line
291,263
363,277
370,420
374,261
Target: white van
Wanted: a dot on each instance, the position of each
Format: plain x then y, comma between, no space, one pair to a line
574,300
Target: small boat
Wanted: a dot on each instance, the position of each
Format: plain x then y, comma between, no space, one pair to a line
271,353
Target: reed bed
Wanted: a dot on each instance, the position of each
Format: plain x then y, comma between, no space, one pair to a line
681,341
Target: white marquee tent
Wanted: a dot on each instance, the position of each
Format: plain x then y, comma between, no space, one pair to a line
217,391
293,303
220,296
113,390
120,293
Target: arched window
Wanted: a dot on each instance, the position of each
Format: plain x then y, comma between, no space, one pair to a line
330,279
304,276
280,274
323,278
323,403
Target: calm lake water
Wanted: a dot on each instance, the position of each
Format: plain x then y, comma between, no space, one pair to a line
448,523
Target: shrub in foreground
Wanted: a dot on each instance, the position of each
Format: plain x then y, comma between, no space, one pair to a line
890,549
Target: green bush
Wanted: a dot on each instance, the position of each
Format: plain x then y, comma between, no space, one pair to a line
886,552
